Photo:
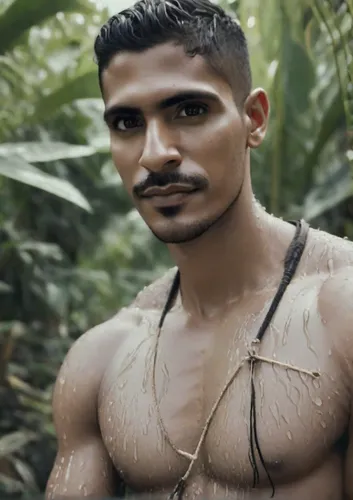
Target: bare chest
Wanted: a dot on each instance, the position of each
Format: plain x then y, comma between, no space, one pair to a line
299,418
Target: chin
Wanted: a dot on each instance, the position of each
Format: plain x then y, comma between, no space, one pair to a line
173,233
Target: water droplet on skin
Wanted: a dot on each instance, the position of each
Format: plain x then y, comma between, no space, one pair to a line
83,488
311,251
69,466
285,419
324,252
275,413
323,425
160,442
150,411
131,358
316,383
289,435
330,266
306,317
124,442
123,416
61,380
286,330
318,401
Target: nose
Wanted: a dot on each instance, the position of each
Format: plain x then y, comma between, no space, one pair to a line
159,152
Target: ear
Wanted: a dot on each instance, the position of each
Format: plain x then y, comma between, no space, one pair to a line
257,109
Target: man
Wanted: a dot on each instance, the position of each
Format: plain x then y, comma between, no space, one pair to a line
231,377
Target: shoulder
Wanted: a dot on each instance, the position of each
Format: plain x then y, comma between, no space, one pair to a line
77,384
85,364
327,253
336,296
154,296
328,265
335,307
329,260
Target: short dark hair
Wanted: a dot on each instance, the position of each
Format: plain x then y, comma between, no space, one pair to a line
198,25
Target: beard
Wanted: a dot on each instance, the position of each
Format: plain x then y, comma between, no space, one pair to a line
182,233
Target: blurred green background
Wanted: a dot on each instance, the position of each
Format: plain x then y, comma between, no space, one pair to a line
72,249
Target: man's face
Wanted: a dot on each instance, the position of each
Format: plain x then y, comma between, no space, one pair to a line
178,139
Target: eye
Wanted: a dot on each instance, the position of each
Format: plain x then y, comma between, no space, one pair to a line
192,109
126,123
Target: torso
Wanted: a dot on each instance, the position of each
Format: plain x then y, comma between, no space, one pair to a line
301,421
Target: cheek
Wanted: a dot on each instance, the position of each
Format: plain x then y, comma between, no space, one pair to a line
125,161
219,149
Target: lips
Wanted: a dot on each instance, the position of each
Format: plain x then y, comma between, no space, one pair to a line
169,196
170,189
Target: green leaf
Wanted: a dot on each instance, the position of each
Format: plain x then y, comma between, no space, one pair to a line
14,442
14,328
24,14
35,152
26,473
333,116
47,250
101,143
11,485
18,169
5,288
83,86
336,188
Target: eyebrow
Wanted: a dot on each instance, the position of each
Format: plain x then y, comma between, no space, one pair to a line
169,102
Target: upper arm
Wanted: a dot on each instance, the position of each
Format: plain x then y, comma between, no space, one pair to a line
348,473
336,310
82,466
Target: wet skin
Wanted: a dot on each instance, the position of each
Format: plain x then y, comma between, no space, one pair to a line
103,406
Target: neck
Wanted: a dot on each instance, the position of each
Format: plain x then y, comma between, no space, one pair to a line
243,252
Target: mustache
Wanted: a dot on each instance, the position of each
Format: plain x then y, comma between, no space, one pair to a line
162,179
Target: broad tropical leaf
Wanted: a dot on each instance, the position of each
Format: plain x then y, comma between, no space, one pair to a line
22,15
18,169
332,118
14,442
36,152
4,288
83,86
333,191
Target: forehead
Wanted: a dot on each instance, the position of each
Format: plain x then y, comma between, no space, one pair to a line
141,78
